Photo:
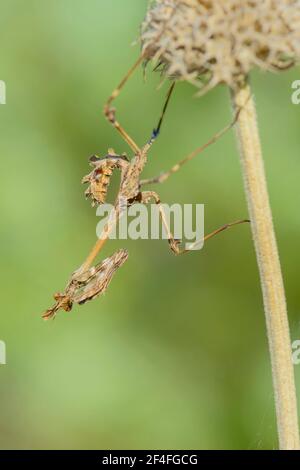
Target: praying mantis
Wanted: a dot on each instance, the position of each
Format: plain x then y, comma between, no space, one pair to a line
88,282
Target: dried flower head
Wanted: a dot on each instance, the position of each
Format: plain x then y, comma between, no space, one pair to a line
220,41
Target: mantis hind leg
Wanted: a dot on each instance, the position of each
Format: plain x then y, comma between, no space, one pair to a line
166,174
110,112
147,196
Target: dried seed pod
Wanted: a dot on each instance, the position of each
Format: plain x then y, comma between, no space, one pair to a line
221,41
99,178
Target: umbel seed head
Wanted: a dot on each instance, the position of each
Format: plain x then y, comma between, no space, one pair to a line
208,42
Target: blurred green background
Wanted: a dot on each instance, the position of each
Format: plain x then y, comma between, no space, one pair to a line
175,354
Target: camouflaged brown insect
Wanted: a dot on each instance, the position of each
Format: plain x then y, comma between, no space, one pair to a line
87,283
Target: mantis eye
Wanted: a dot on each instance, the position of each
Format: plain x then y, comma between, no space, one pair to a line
94,158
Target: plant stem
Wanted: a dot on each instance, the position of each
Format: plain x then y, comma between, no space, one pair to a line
269,269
